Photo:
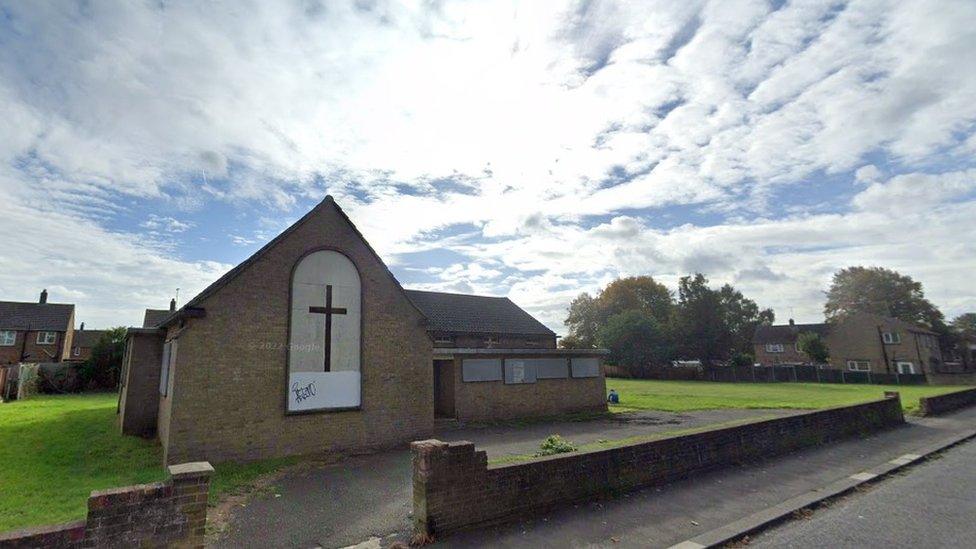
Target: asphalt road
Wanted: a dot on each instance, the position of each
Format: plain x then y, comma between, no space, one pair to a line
931,505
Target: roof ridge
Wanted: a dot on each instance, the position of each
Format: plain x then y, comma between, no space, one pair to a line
459,294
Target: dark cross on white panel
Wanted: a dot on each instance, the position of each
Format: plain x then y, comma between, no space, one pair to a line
328,311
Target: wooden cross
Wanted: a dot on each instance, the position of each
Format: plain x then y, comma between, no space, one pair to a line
328,311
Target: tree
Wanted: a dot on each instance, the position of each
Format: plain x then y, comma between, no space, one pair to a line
812,345
102,369
880,291
637,293
583,322
965,326
700,325
742,317
635,341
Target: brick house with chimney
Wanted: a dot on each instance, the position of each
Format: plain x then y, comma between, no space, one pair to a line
860,342
83,342
311,345
35,332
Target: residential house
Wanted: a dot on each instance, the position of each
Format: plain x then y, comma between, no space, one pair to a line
35,332
82,343
155,317
860,342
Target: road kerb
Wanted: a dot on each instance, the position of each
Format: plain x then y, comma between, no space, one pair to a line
813,498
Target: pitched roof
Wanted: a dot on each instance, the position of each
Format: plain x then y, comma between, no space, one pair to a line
154,317
786,333
86,338
54,317
242,266
475,314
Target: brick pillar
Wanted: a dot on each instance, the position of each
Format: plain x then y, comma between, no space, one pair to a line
191,487
426,455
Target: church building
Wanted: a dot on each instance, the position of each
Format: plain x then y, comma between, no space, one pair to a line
311,345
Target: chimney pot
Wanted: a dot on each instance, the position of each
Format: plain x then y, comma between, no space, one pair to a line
792,323
43,296
172,304
82,326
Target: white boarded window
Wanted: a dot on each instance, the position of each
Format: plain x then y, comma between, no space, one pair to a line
481,369
586,367
169,358
519,370
774,348
550,368
7,338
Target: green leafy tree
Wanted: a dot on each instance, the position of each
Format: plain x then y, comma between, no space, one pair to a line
638,293
880,291
965,326
700,325
635,341
583,322
813,346
102,369
742,317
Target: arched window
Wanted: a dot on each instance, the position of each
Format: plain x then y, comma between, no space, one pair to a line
324,334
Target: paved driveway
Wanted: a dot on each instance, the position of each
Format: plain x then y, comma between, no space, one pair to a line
371,496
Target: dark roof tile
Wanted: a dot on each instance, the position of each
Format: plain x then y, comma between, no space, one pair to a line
54,317
86,338
475,314
785,333
154,317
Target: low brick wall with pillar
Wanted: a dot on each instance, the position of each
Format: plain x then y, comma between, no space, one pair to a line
454,488
949,402
172,513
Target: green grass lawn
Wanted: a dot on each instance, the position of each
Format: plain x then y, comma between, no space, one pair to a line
679,396
54,450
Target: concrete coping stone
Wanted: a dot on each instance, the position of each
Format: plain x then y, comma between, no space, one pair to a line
191,469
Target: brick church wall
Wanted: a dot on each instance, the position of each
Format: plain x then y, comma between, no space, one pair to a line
227,400
454,487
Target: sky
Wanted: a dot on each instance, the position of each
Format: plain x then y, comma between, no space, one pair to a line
534,150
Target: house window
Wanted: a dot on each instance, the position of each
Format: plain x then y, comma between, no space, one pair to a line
774,348
444,340
491,341
905,367
7,338
531,342
859,365
47,338
891,337
76,351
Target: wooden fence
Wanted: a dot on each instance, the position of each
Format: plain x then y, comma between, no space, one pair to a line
768,374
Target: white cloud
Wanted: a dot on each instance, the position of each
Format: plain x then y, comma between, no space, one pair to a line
551,137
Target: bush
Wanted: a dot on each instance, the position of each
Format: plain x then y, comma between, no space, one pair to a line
555,444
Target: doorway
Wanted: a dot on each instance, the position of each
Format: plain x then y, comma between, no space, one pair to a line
444,389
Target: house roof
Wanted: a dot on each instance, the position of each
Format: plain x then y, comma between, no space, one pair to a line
155,317
53,317
475,314
86,338
786,333
241,267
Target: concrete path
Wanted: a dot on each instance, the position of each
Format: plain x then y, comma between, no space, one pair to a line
932,505
371,496
665,516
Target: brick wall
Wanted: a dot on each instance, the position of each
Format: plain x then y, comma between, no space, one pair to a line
454,488
227,397
492,400
139,404
949,402
172,513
